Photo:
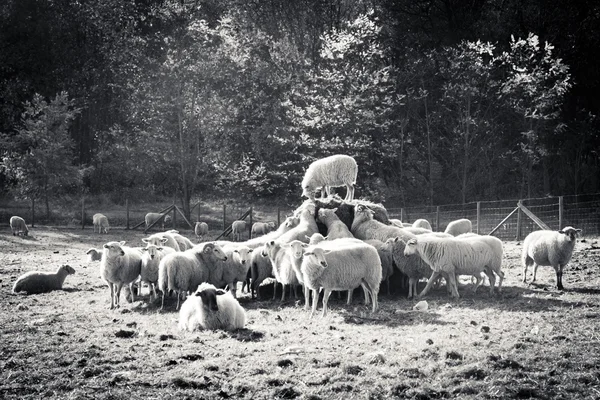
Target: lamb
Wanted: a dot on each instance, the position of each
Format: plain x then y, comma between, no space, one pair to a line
336,170
162,239
235,269
151,257
201,230
18,226
120,265
261,228
34,282
100,221
422,223
364,227
341,264
94,254
211,308
150,218
237,229
459,226
183,242
336,229
183,271
549,248
260,269
453,257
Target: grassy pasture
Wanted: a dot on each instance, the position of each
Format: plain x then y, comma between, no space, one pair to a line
531,341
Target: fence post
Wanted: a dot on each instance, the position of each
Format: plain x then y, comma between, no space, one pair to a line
198,219
82,212
250,225
127,214
560,212
478,216
224,216
402,214
32,212
437,218
519,219
278,216
173,225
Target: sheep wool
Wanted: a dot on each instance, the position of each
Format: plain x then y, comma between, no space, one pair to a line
336,170
364,227
100,222
422,223
151,257
120,265
200,230
18,226
412,265
336,229
211,308
459,226
34,282
237,229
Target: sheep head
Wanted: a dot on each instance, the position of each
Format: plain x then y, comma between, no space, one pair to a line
411,247
570,232
208,295
317,256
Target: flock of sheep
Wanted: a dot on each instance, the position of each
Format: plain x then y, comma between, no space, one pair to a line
328,244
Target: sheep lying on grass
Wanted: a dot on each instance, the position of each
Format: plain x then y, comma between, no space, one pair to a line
18,226
201,230
151,257
549,248
34,282
459,226
211,308
336,170
100,222
94,254
120,265
237,229
261,228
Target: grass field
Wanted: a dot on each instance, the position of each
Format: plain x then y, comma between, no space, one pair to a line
531,341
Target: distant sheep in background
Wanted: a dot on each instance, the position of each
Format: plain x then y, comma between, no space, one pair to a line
201,230
162,239
211,308
18,226
94,254
34,282
422,223
459,226
261,228
237,229
183,242
549,248
150,218
336,170
100,221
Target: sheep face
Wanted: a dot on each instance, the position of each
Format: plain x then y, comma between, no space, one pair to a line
570,232
317,256
270,248
243,255
152,250
208,295
155,240
114,249
411,247
292,222
363,212
327,214
215,250
68,269
297,248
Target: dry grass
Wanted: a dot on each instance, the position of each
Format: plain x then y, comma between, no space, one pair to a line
528,342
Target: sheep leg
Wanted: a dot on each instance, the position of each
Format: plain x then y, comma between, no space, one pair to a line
111,287
118,295
453,285
325,300
315,298
154,296
274,290
295,289
349,296
306,297
430,282
535,267
131,291
492,278
349,192
233,289
366,293
282,292
373,294
178,297
526,264
559,273
412,287
500,279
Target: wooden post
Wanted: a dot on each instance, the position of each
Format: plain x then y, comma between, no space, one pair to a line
250,225
198,218
561,206
278,216
32,212
519,221
224,216
173,225
402,215
478,216
127,214
437,218
82,212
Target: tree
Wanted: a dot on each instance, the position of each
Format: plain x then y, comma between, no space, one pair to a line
39,157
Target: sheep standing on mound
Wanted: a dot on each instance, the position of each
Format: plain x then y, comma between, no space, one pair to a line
364,227
459,226
18,226
211,308
237,229
201,230
549,248
336,229
336,170
120,265
100,221
34,282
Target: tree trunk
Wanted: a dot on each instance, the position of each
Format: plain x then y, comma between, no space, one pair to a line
429,156
466,150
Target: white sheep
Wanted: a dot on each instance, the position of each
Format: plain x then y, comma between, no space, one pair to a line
316,238
18,226
163,239
261,228
100,221
336,170
120,265
183,271
497,248
151,257
305,228
34,282
201,230
150,218
336,229
364,227
453,257
235,269
94,254
237,229
283,269
211,308
422,223
549,248
183,242
459,226
341,264
260,269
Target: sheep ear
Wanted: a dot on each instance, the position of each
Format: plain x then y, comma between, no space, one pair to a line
122,243
208,248
396,239
304,245
309,253
89,251
105,246
236,251
334,209
164,240
145,249
159,248
145,240
220,292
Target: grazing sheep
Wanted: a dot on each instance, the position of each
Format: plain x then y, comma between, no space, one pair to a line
18,226
281,262
120,265
200,229
453,257
336,229
237,229
150,218
412,266
459,226
34,282
183,242
94,254
336,170
387,261
422,223
151,257
211,308
260,269
341,264
261,228
549,248
163,239
100,221
364,227
183,271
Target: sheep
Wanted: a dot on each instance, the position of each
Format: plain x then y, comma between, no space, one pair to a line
162,239
387,261
235,269
100,221
94,254
18,226
183,271
422,223
364,227
211,308
305,228
336,170
459,226
281,262
183,242
287,225
316,238
237,228
549,248
261,228
200,229
341,264
453,257
497,248
344,210
396,222
336,229
120,265
416,231
151,257
260,269
412,266
150,218
34,282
